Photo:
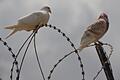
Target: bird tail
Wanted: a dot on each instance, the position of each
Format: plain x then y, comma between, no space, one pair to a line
10,27
14,31
80,49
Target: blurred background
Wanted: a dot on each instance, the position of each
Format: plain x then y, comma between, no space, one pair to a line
72,17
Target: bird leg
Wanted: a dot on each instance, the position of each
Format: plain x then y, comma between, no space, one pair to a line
36,29
99,42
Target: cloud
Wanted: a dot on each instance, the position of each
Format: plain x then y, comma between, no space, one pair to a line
72,17
4,69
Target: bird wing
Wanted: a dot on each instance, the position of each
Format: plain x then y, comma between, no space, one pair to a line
94,32
98,28
32,19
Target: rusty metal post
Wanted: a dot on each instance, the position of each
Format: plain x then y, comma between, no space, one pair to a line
104,61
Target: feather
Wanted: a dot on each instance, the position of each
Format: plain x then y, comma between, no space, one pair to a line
10,27
30,22
95,31
13,32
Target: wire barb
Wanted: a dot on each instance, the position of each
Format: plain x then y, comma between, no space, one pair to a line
13,56
75,50
21,64
31,38
108,58
59,61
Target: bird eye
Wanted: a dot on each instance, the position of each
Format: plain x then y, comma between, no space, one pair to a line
48,8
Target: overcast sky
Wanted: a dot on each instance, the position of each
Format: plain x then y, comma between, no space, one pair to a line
72,17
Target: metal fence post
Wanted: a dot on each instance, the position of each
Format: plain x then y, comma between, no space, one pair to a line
104,61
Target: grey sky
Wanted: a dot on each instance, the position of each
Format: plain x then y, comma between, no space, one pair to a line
72,17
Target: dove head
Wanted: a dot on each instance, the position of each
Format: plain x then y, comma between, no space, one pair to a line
46,8
103,16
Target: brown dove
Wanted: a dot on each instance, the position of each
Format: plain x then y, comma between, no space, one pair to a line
95,31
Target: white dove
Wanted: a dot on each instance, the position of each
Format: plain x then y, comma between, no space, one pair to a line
30,22
95,31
